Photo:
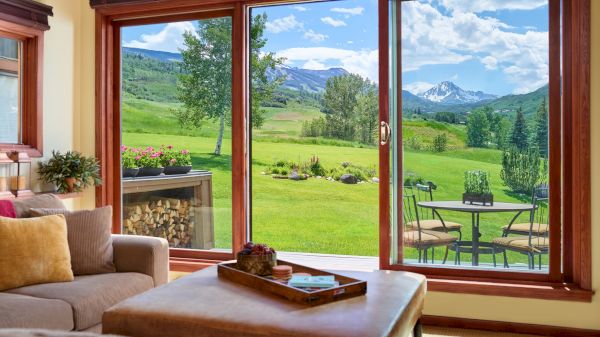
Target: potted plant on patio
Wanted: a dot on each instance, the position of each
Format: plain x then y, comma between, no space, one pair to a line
176,161
149,162
70,172
129,162
477,188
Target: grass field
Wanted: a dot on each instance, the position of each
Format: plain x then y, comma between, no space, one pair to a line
317,215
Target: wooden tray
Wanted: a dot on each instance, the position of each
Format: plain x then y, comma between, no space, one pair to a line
349,287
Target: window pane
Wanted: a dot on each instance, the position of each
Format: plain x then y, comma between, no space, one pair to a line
475,134
176,115
314,128
10,92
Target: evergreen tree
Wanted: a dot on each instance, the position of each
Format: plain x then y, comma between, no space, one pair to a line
478,129
518,136
541,129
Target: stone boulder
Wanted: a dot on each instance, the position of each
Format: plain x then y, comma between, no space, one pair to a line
349,179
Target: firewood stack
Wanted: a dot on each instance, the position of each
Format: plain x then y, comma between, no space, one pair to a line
171,219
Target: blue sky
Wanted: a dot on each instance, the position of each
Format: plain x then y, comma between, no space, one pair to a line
499,51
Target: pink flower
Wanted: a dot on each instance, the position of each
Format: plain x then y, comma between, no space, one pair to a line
134,150
123,148
138,157
185,151
170,147
173,160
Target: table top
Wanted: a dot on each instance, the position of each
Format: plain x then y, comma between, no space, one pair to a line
201,304
460,207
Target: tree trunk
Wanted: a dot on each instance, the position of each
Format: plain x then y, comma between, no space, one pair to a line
220,138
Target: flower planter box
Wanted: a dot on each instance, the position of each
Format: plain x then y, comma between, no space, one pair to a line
150,171
169,170
485,199
130,172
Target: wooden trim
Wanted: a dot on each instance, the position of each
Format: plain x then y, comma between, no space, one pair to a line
11,66
177,17
574,156
26,13
510,327
385,227
189,265
31,76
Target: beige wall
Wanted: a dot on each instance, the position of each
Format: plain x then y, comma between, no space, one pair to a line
69,123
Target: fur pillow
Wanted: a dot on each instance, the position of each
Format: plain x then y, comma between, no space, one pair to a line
34,251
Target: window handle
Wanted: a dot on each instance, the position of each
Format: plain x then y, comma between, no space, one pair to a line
385,133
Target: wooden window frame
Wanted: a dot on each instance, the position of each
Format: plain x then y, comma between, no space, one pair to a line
26,21
569,277
573,282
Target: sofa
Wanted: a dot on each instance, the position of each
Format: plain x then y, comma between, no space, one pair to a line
141,264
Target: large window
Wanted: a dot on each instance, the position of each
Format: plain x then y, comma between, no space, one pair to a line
474,105
10,90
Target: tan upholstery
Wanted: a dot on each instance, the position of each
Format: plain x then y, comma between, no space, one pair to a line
428,238
34,251
525,227
90,241
90,295
23,206
46,333
142,254
522,243
20,311
202,305
434,225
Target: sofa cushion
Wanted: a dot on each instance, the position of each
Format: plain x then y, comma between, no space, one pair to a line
91,295
34,251
90,240
22,206
7,209
20,311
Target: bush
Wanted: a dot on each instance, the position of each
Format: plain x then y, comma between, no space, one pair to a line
477,182
315,167
440,143
414,143
521,169
412,179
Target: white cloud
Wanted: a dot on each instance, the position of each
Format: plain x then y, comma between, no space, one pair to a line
491,5
333,22
349,11
363,62
170,39
314,65
283,24
490,62
350,42
314,36
300,8
430,37
417,87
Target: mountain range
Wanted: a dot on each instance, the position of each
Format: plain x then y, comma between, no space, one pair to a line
444,96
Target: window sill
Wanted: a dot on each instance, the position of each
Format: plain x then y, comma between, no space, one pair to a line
536,290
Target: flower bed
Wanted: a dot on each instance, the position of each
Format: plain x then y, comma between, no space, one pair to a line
150,161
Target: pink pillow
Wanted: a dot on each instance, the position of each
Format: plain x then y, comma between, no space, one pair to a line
7,209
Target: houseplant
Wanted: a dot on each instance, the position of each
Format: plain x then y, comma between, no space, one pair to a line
477,188
70,172
176,161
129,161
149,162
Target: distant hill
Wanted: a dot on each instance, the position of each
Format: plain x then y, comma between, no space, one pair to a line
449,93
162,56
305,79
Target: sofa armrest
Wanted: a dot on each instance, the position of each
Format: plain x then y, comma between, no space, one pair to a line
142,254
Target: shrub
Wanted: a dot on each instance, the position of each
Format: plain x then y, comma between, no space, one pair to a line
477,182
521,169
412,179
315,167
174,157
440,143
414,143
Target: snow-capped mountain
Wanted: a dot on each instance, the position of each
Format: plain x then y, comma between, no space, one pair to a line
449,93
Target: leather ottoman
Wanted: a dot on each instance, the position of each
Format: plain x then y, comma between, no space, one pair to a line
202,305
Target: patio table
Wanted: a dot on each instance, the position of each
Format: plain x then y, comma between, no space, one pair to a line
476,210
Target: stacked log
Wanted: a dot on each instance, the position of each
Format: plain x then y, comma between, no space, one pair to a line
171,219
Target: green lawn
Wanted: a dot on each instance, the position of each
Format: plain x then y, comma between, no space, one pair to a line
317,215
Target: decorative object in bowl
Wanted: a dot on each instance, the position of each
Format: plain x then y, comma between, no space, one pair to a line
257,259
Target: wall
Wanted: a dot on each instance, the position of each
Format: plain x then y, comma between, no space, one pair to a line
69,123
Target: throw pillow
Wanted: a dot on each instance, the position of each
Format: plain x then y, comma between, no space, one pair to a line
7,209
90,239
23,206
34,251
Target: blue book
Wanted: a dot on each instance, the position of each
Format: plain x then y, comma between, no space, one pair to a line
312,281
